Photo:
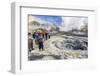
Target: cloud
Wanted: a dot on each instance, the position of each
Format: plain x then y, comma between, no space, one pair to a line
73,23
57,20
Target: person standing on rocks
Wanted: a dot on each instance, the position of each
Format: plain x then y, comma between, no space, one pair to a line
40,43
30,42
46,35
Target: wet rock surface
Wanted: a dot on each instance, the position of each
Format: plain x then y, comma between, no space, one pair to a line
72,43
62,47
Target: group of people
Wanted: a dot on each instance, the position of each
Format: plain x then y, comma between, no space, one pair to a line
38,38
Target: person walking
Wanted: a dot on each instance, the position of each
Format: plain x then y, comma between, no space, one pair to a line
30,42
49,35
46,35
36,37
40,43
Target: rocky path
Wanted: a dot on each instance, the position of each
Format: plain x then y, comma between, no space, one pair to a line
50,51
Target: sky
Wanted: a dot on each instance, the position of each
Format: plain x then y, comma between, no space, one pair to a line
65,23
57,20
74,23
